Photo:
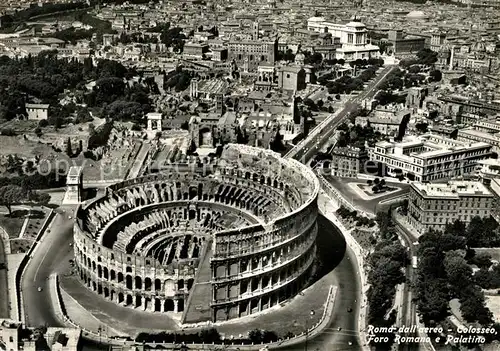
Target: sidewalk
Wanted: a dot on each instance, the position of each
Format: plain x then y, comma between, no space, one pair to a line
13,263
328,210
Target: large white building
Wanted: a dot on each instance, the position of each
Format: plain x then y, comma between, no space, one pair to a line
431,206
487,131
353,37
429,157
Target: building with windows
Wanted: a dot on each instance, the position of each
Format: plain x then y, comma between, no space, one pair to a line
404,46
37,111
486,131
346,162
353,38
429,157
432,206
249,54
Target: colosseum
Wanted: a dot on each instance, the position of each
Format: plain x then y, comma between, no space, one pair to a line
210,239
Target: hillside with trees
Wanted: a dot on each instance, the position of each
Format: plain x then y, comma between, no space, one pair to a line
46,78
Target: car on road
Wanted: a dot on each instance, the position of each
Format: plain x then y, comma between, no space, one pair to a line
339,328
349,310
39,289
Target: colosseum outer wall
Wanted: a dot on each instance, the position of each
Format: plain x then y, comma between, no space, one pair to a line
252,268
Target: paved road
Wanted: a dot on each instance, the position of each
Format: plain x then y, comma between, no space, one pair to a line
317,140
409,308
51,255
348,295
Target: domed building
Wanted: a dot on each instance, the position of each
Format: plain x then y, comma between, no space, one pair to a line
417,15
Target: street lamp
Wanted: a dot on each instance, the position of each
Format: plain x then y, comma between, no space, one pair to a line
311,314
99,330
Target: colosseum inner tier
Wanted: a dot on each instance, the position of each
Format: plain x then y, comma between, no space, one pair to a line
211,239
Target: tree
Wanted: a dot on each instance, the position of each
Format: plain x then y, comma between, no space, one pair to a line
482,260
276,143
69,150
83,116
43,199
458,272
473,306
436,75
421,127
456,228
10,195
255,336
433,301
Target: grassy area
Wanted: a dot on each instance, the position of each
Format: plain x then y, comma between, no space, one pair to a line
364,238
12,224
35,223
20,245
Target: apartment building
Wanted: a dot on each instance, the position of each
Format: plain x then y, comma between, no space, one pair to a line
249,54
429,157
431,206
404,46
346,162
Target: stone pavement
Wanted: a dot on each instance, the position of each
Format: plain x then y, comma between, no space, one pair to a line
83,318
290,316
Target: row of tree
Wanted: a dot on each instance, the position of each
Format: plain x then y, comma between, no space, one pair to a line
208,336
386,272
357,136
45,77
13,194
445,274
425,57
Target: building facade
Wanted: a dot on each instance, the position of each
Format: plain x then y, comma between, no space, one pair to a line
37,111
249,54
432,206
429,157
353,38
347,162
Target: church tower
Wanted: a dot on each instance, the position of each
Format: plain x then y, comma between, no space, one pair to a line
255,30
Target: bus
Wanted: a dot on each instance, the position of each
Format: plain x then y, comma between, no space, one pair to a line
414,261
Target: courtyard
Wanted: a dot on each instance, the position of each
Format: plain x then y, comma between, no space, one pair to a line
359,193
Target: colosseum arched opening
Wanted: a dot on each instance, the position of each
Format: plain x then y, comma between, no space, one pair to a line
226,238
